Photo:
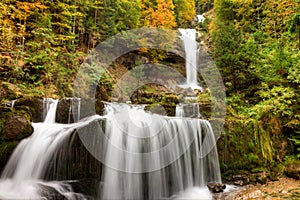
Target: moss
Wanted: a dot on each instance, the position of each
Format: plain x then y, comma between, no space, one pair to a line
6,149
7,114
32,105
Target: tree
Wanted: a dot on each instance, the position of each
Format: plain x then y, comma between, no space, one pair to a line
118,15
158,13
185,11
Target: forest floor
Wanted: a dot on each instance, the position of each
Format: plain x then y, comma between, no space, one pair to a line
284,188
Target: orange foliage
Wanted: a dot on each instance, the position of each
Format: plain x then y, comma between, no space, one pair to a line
159,14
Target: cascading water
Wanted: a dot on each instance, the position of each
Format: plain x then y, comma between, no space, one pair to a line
46,106
188,110
147,156
22,178
191,49
160,157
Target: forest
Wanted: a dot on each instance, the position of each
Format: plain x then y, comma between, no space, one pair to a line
255,45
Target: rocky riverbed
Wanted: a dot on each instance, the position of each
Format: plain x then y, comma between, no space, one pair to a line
284,188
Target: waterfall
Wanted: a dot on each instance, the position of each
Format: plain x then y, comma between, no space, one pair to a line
13,103
22,178
47,102
147,156
191,49
191,110
160,156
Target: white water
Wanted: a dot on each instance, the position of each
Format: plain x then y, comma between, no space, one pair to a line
148,156
188,110
23,174
160,158
190,46
200,18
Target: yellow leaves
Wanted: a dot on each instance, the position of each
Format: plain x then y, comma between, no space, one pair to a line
28,7
24,9
164,15
243,2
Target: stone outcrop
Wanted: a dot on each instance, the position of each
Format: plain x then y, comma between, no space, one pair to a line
17,127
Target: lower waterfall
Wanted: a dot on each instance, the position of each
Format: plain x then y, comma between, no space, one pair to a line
148,156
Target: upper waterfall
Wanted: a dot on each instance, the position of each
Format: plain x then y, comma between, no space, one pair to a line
190,45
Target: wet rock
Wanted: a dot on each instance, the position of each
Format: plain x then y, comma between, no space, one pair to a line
89,187
216,187
48,192
14,126
32,104
6,149
67,110
293,171
240,179
239,183
17,128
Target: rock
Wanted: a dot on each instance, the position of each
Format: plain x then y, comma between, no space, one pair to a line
67,109
237,177
216,187
6,149
32,104
14,126
239,183
48,192
293,171
17,128
262,177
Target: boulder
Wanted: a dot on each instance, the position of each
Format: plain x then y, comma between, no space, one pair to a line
17,127
216,187
14,126
65,111
293,171
33,105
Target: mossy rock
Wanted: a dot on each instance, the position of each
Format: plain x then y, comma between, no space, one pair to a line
33,105
6,149
14,124
161,109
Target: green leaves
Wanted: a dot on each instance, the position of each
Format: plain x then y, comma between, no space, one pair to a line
256,47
